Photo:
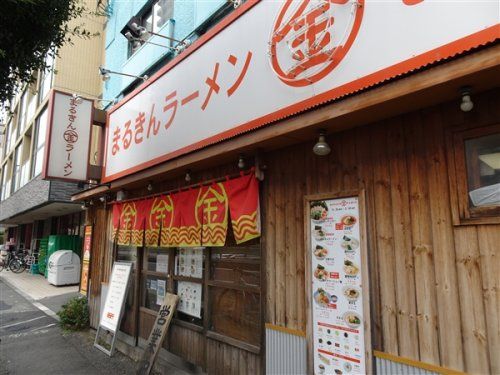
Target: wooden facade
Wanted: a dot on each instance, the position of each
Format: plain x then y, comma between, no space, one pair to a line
433,283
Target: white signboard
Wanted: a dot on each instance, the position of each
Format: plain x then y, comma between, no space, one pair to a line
337,287
68,137
272,59
117,293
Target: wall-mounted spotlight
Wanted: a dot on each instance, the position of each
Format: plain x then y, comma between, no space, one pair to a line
321,148
121,195
241,162
150,187
236,3
105,74
187,177
79,99
466,104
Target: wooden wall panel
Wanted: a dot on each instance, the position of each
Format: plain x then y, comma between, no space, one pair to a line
101,258
187,344
489,245
448,307
403,257
223,359
472,306
434,290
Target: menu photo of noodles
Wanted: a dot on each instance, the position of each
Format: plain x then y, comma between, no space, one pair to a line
336,286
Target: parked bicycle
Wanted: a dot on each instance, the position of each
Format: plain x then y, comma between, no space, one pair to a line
16,261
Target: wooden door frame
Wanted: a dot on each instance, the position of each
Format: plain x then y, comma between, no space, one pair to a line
360,194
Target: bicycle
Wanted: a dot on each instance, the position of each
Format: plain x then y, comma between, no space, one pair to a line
17,261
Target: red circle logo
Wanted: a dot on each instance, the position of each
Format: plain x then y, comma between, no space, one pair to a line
311,38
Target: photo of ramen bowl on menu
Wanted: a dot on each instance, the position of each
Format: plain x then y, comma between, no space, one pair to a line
323,298
319,234
349,244
350,268
348,220
320,273
352,319
320,252
351,293
319,211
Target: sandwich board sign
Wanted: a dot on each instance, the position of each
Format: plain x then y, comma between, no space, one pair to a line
112,312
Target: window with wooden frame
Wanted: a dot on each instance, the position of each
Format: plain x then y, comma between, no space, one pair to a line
219,289
475,176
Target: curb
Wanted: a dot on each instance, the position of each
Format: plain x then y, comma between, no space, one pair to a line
34,302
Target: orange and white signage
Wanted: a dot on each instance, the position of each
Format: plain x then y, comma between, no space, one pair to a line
272,59
68,137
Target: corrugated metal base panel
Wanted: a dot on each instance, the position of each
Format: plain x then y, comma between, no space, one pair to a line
285,353
387,367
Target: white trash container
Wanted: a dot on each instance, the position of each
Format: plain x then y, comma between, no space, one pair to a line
63,268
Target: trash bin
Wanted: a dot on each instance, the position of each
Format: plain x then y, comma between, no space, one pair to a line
63,268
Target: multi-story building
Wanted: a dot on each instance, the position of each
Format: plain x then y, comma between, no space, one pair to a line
178,20
31,207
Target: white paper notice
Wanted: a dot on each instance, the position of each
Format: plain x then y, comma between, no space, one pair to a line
160,293
162,263
190,298
117,291
337,306
190,262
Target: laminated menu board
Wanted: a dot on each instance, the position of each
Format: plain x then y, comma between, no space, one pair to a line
338,292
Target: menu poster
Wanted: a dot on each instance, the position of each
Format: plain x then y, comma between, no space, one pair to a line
337,293
190,262
162,263
190,298
115,298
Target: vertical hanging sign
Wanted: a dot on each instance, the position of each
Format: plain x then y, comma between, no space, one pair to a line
68,138
87,247
337,287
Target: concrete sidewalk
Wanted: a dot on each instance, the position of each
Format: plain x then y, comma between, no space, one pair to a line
32,343
36,288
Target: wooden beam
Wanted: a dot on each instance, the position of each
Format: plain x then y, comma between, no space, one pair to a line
427,87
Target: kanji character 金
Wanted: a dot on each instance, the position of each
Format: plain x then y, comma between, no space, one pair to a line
127,135
153,124
233,60
213,86
171,105
116,138
139,127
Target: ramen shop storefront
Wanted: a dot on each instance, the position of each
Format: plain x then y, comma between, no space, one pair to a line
203,244
341,248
